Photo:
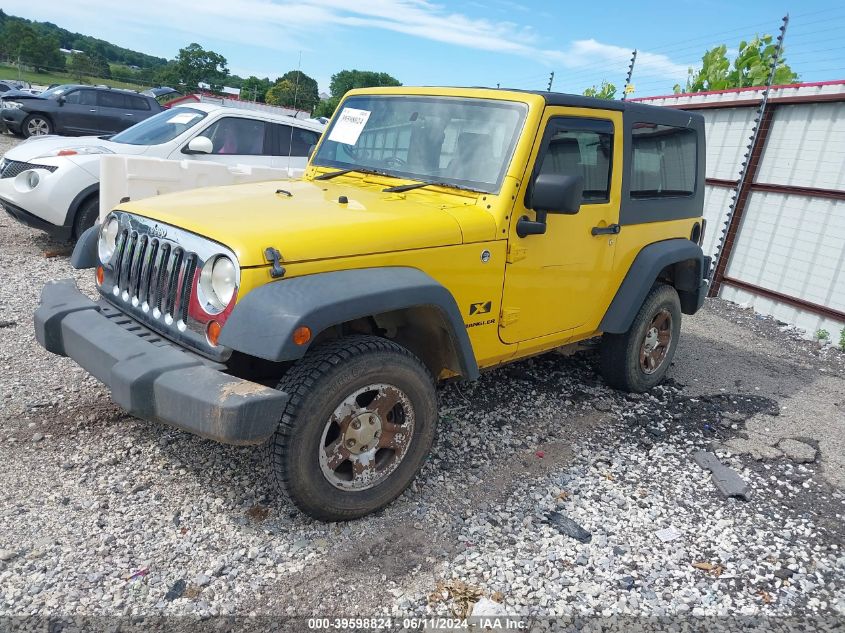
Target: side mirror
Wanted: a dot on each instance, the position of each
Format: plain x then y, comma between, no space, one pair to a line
550,193
199,145
61,99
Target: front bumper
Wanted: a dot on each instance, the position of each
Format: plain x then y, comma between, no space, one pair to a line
56,197
23,216
152,379
13,118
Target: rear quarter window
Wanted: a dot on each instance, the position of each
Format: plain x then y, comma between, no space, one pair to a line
138,103
112,100
663,161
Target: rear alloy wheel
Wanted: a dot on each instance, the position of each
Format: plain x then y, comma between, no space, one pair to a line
639,359
359,424
36,125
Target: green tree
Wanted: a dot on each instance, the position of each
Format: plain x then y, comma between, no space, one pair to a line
751,67
294,89
21,42
79,66
195,65
345,80
254,88
606,91
83,65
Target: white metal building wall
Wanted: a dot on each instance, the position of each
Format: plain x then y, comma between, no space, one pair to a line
791,243
724,130
795,244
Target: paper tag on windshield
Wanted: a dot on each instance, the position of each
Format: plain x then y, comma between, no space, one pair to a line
349,125
184,117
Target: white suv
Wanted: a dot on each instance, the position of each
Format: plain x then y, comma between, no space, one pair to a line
52,183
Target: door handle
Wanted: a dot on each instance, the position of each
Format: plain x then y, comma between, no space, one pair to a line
92,110
128,113
610,229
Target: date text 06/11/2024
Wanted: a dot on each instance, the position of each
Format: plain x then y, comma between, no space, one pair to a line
434,623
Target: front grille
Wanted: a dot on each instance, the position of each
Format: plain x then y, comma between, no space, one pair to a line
151,278
11,168
155,274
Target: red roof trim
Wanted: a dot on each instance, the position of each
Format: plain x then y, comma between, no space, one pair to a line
814,84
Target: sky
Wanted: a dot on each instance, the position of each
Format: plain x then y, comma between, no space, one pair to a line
512,43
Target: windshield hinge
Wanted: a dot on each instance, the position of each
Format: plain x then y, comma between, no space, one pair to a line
508,316
516,253
273,256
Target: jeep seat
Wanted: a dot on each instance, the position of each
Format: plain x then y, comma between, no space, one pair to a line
472,161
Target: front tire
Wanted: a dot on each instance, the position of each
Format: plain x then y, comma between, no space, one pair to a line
86,216
639,359
360,422
36,125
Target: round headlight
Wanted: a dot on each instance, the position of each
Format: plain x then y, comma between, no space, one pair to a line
108,239
218,283
32,179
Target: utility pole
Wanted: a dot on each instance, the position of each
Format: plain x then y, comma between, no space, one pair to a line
628,87
551,79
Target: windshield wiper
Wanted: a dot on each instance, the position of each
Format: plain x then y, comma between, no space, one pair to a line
331,174
430,183
401,188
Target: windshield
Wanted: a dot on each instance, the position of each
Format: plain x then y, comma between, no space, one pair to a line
55,91
462,142
161,128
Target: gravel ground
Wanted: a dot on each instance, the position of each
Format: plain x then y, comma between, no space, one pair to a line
102,514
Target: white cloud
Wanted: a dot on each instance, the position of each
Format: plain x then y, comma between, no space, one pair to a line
590,53
290,26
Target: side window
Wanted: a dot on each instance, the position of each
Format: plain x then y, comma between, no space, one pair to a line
81,97
663,161
295,141
231,135
580,147
138,103
112,100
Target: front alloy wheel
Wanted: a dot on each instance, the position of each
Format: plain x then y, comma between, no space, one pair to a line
36,125
367,437
359,424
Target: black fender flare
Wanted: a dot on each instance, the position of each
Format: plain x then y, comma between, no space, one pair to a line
78,199
690,278
263,322
85,252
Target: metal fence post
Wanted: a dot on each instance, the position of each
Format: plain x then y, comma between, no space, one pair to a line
748,172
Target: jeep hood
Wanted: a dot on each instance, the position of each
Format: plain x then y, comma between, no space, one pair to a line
305,220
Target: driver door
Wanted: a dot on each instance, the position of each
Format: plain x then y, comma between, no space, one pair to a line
560,283
79,112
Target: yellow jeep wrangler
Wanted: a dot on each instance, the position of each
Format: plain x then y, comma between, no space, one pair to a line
437,232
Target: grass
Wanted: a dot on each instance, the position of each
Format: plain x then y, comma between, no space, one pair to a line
47,78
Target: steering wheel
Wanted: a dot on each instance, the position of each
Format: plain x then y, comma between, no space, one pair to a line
358,153
395,160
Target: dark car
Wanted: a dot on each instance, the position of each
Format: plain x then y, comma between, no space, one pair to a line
76,110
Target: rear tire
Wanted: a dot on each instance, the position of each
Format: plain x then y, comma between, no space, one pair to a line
359,424
36,125
639,359
86,216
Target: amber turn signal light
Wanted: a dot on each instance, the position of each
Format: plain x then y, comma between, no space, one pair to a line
212,332
302,335
100,275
